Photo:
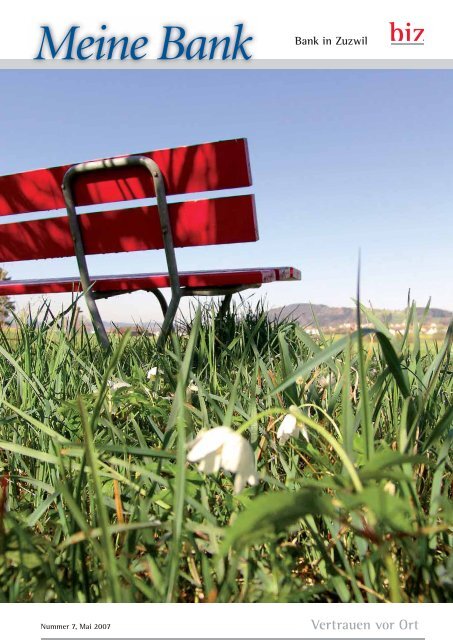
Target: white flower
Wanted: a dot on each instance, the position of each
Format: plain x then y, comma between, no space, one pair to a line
120,384
152,373
223,448
289,428
390,488
192,387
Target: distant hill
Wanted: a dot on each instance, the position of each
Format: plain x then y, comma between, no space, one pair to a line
342,319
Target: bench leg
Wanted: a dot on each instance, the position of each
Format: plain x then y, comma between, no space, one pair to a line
98,325
225,304
164,219
163,303
167,324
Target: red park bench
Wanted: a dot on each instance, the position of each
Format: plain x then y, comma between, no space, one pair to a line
156,174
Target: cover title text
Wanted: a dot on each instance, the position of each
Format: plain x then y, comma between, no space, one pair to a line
176,44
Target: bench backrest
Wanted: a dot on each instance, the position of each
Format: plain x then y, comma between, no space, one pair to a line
200,168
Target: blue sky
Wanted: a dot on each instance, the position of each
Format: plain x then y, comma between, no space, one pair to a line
341,161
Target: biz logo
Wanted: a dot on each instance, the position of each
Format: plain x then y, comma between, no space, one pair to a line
407,35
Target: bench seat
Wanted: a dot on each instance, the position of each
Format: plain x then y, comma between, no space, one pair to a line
150,281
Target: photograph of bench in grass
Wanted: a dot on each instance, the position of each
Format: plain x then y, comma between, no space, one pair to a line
199,168
262,456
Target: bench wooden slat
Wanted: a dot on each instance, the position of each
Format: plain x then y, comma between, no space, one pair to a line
197,168
146,282
194,223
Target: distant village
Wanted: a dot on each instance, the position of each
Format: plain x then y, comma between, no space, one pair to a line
433,329
342,320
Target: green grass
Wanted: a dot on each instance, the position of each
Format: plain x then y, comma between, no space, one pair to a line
102,505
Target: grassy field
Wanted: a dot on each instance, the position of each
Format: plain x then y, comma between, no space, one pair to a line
99,502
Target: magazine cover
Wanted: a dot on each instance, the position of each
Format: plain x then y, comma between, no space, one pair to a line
226,257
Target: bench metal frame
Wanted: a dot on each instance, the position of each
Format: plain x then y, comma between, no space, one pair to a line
177,292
